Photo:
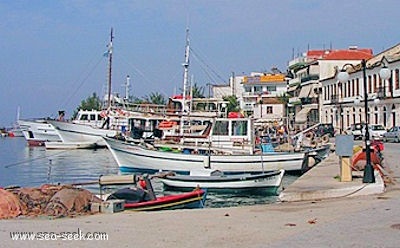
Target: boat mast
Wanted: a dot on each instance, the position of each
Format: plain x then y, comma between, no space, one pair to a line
110,48
127,84
185,81
185,72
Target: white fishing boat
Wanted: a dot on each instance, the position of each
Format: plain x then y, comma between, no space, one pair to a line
212,180
229,147
38,131
78,136
133,157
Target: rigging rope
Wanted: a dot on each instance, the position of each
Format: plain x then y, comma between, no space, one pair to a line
204,64
68,99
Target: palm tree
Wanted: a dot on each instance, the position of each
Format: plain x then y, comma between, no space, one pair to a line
197,91
233,104
156,98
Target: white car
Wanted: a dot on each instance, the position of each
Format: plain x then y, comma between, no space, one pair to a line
357,130
376,131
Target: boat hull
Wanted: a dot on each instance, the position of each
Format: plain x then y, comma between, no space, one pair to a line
75,134
37,132
131,157
190,200
267,183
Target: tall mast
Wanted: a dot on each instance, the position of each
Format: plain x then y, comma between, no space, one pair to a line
185,72
127,84
110,48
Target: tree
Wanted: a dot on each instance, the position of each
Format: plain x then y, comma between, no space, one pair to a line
233,104
92,102
156,98
284,98
197,91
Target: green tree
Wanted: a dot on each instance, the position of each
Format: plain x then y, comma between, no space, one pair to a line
197,91
156,98
92,102
233,104
284,98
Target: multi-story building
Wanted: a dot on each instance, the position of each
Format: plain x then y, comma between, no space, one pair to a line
304,87
342,103
259,94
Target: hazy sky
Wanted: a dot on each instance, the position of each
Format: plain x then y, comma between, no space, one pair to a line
52,50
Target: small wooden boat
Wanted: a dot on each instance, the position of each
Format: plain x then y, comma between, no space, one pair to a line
143,198
266,183
188,200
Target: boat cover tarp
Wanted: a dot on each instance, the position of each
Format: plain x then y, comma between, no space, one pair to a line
130,195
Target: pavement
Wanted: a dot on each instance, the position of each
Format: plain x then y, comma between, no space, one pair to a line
323,181
317,211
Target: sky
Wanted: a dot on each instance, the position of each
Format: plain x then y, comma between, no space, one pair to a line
52,52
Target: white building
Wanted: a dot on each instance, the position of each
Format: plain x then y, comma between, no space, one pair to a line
305,88
343,104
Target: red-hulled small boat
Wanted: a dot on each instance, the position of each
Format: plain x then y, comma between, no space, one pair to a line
193,199
143,198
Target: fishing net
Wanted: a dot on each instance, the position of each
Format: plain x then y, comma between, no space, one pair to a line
51,200
10,206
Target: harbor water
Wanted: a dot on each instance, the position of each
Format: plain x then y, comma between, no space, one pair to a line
25,166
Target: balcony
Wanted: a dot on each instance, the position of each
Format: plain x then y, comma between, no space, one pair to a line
334,99
309,78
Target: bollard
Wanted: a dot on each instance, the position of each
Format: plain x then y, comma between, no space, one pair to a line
345,169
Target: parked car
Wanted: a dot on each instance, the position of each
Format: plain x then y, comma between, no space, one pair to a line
356,130
376,131
393,134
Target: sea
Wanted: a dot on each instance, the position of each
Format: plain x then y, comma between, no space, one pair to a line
24,166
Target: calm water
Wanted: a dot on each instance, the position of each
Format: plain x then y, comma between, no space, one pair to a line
33,166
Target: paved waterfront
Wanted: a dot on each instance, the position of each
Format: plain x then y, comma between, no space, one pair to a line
362,221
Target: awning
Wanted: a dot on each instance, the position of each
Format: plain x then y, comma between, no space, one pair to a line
301,116
293,87
305,91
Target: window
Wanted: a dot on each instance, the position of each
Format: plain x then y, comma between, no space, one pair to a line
357,87
257,89
271,88
93,117
396,80
239,128
84,117
269,110
369,84
221,128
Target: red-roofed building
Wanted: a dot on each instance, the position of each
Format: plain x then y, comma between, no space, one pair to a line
307,71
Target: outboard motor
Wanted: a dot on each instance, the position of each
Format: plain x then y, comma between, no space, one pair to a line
157,133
